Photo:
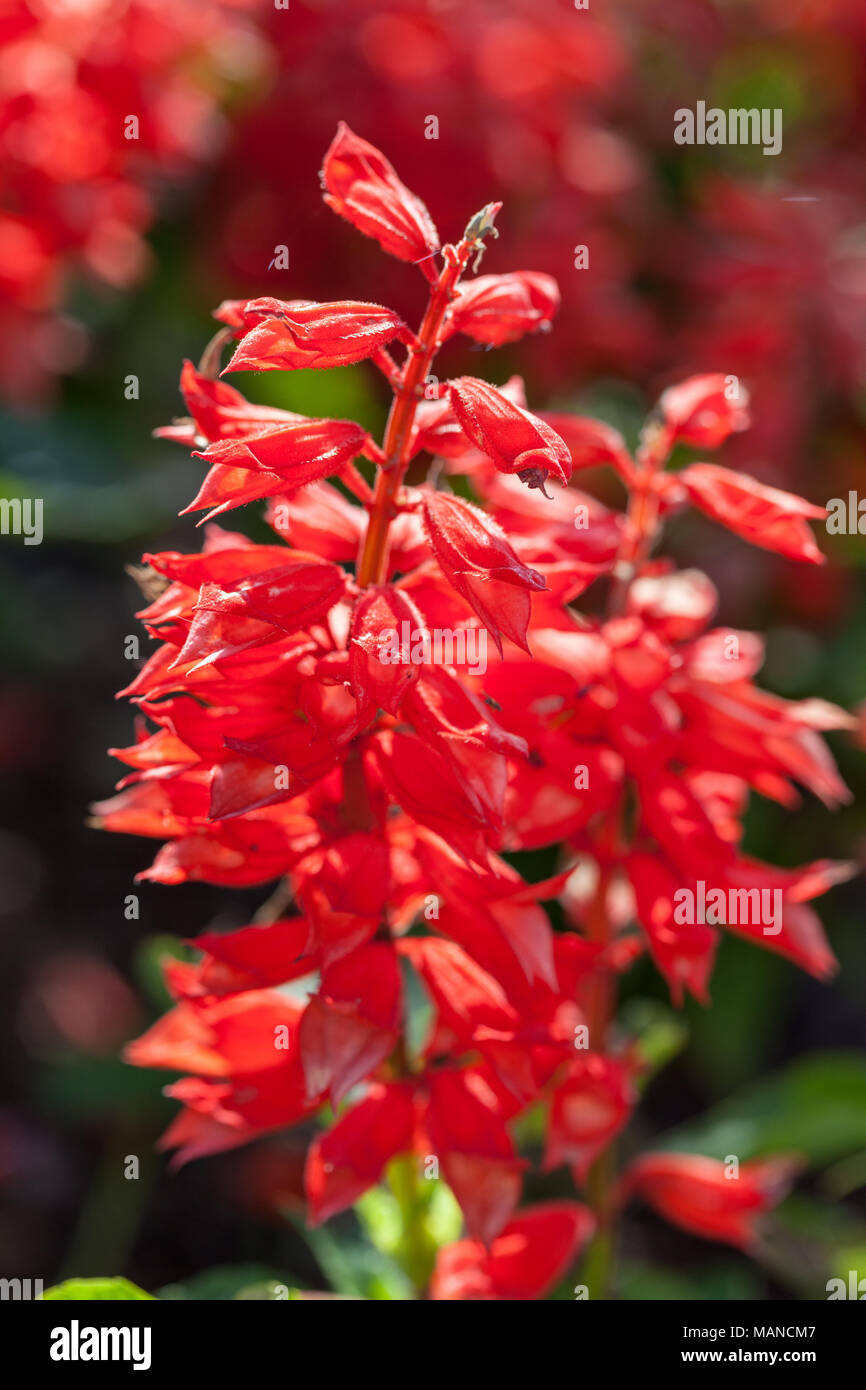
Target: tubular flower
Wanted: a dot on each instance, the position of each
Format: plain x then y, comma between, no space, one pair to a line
708,1198
362,186
321,713
280,337
499,309
513,439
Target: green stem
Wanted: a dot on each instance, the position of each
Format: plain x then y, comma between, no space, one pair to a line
417,1247
597,1265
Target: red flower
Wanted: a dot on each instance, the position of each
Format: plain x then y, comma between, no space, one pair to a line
499,309
479,561
351,1025
704,410
525,1261
282,336
380,665
766,516
284,456
261,608
709,1198
343,1163
512,438
588,1109
362,186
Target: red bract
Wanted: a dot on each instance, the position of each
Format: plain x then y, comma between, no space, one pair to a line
708,1198
362,186
704,410
344,732
514,440
477,558
499,309
523,1262
283,336
766,516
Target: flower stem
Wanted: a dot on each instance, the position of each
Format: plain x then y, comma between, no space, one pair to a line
601,1007
417,1246
373,559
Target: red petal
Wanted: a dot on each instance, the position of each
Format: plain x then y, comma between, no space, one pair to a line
385,623
362,186
348,1159
498,309
766,516
286,335
512,438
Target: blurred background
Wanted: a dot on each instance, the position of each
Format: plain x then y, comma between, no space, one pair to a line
118,238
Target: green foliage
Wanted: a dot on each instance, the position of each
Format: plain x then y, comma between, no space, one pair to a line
115,1289
815,1108
719,1280
352,1266
659,1032
228,1282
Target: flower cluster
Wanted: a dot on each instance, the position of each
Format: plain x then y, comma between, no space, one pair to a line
385,797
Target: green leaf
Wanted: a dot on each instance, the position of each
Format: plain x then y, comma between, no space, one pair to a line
148,962
227,1282
815,1108
659,1032
721,1281
268,1291
807,1242
84,1290
354,1268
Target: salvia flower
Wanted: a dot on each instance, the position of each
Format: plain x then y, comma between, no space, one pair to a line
297,728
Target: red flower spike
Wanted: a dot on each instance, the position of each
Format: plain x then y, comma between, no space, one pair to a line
497,309
361,185
404,779
512,438
284,335
703,1196
525,1261
477,558
766,516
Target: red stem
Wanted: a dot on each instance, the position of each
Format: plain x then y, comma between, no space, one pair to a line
373,559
